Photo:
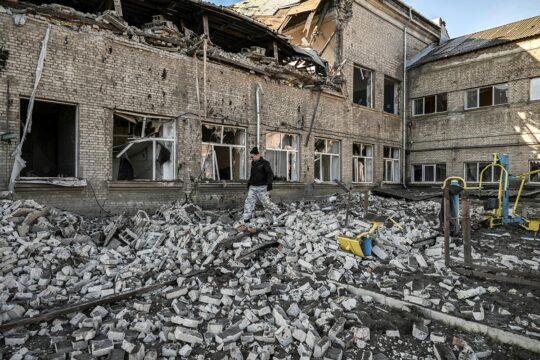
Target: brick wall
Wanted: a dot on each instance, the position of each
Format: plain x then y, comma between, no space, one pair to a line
100,72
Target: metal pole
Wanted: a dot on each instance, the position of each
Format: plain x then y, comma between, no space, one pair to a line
446,213
466,229
366,203
348,207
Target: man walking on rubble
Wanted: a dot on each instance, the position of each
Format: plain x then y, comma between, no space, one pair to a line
259,184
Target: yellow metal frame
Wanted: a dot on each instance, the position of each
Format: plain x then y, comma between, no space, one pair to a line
530,224
354,245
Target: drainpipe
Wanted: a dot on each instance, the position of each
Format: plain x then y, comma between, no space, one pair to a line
404,107
258,91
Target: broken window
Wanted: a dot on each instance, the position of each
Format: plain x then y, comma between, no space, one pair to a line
362,163
391,157
430,104
391,95
473,170
50,149
363,86
282,153
486,96
144,147
429,173
327,162
535,89
534,165
223,152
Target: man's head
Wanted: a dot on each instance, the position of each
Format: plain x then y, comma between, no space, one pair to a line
254,154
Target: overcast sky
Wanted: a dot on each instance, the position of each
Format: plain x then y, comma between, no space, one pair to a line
467,16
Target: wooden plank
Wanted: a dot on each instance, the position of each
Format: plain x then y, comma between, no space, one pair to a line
90,304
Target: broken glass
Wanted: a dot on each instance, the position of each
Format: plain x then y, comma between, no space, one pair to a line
273,141
362,92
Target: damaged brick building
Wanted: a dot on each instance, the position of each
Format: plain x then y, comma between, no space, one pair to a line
140,102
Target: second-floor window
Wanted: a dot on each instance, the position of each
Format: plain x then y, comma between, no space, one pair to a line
363,86
391,95
430,104
486,96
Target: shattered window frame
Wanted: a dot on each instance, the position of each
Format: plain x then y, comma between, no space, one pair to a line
534,89
498,91
436,168
438,99
396,84
369,87
391,171
492,174
363,158
534,165
165,138
211,150
328,155
292,156
76,145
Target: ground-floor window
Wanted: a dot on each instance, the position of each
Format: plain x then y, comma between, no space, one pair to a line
429,173
533,166
362,163
144,147
282,153
223,152
50,148
473,170
391,158
327,162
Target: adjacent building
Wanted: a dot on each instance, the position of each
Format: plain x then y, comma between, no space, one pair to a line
474,96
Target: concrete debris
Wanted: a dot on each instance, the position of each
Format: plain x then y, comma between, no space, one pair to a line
284,300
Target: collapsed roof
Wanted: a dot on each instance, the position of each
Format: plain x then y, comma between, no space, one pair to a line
227,29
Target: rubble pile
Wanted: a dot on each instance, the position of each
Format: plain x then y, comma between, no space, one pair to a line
222,299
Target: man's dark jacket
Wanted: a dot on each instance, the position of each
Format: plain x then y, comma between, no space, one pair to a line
261,174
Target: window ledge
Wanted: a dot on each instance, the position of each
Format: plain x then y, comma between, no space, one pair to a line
392,116
47,184
425,116
363,107
212,185
144,185
486,107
